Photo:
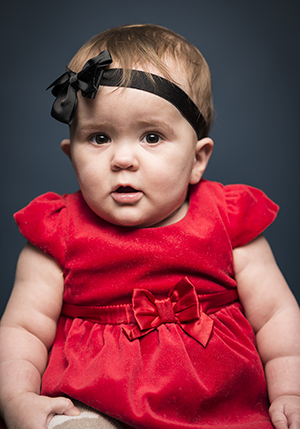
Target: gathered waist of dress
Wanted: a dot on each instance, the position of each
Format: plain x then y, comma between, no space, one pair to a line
125,313
146,313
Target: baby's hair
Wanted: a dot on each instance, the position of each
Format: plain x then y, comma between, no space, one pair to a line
144,44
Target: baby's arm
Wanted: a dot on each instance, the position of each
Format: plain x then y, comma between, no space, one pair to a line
27,331
274,315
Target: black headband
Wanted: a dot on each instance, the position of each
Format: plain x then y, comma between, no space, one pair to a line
94,74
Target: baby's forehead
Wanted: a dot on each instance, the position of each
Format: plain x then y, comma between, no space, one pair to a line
125,111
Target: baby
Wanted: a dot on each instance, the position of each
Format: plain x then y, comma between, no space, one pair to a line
149,298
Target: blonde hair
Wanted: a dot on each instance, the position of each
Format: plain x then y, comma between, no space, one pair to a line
142,44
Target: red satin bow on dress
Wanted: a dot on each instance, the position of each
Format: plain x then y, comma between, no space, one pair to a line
182,307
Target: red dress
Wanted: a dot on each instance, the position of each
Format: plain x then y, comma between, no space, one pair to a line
151,331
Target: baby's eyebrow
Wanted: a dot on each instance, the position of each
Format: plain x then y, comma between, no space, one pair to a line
149,124
90,127
155,123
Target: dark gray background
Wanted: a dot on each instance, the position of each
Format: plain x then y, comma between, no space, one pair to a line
253,51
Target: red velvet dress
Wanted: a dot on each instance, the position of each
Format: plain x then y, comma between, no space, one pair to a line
151,331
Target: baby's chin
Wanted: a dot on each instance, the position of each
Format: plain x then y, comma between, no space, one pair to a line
151,223
127,222
135,224
131,216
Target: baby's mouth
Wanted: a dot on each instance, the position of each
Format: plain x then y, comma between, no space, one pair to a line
125,190
127,195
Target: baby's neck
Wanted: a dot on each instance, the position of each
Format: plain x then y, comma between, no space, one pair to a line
174,217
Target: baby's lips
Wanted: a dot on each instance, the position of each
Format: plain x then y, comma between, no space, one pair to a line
126,195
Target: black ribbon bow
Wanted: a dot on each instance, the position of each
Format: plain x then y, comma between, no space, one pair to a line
66,86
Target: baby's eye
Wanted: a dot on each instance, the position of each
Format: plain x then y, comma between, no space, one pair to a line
100,139
152,138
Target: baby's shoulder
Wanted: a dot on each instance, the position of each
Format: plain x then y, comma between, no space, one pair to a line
44,222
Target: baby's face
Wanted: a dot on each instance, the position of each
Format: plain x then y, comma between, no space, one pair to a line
134,155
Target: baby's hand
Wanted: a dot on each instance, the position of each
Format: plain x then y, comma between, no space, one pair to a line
31,411
285,412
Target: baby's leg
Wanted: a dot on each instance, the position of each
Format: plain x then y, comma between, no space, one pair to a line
88,419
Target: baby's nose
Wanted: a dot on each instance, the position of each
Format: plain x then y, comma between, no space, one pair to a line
124,158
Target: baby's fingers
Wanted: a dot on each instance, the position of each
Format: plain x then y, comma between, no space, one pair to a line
279,419
285,412
62,405
294,420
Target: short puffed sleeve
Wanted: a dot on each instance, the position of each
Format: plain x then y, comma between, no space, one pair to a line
43,223
250,212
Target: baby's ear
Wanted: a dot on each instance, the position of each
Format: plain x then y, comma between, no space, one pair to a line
203,152
65,146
